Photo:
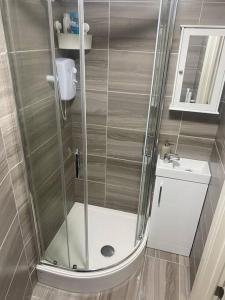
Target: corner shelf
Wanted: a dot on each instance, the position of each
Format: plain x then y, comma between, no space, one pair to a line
72,41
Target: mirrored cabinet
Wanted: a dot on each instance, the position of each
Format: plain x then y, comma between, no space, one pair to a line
200,72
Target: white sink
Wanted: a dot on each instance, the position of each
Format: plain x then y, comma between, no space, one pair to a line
185,169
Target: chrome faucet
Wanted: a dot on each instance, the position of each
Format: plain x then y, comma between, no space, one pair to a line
172,158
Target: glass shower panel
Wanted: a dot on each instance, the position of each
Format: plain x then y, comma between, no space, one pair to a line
165,29
30,60
73,136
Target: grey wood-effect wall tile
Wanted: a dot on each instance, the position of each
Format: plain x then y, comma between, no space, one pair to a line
170,80
96,108
220,136
49,200
39,120
19,183
130,71
30,70
67,141
194,147
170,123
165,138
9,256
96,63
96,140
96,192
11,138
125,144
199,125
31,253
6,91
44,161
212,14
127,110
188,12
19,281
217,178
2,37
7,207
211,200
123,173
96,168
28,19
26,220
122,198
3,161
97,16
133,26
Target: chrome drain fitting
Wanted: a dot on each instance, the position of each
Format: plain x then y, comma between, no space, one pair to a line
107,251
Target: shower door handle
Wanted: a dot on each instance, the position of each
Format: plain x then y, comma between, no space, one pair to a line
160,195
77,163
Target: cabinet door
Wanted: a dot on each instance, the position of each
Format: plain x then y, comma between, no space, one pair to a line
176,210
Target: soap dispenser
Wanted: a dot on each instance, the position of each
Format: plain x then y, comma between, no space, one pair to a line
166,148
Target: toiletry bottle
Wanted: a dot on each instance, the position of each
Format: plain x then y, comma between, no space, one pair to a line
66,23
74,22
166,148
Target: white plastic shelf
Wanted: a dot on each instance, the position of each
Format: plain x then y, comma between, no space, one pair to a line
72,41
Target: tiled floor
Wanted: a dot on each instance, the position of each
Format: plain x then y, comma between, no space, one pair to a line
164,276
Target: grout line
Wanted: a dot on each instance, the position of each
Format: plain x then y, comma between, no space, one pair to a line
28,51
118,92
113,127
132,51
115,158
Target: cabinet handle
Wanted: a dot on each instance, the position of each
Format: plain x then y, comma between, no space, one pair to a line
160,194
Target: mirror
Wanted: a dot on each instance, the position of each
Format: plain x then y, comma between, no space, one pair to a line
200,73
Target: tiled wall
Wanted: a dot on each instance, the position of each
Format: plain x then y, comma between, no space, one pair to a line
193,134
18,255
217,167
118,81
29,50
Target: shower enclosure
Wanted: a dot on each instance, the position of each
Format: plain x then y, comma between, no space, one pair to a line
90,161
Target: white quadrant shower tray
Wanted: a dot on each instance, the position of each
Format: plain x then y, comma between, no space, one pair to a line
105,227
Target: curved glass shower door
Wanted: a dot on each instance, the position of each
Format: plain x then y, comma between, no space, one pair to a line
72,137
150,153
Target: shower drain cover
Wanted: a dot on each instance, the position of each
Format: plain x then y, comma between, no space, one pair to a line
107,250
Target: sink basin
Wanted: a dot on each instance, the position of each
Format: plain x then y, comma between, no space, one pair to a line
185,169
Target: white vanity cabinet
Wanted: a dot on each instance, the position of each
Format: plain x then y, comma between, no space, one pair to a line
177,205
